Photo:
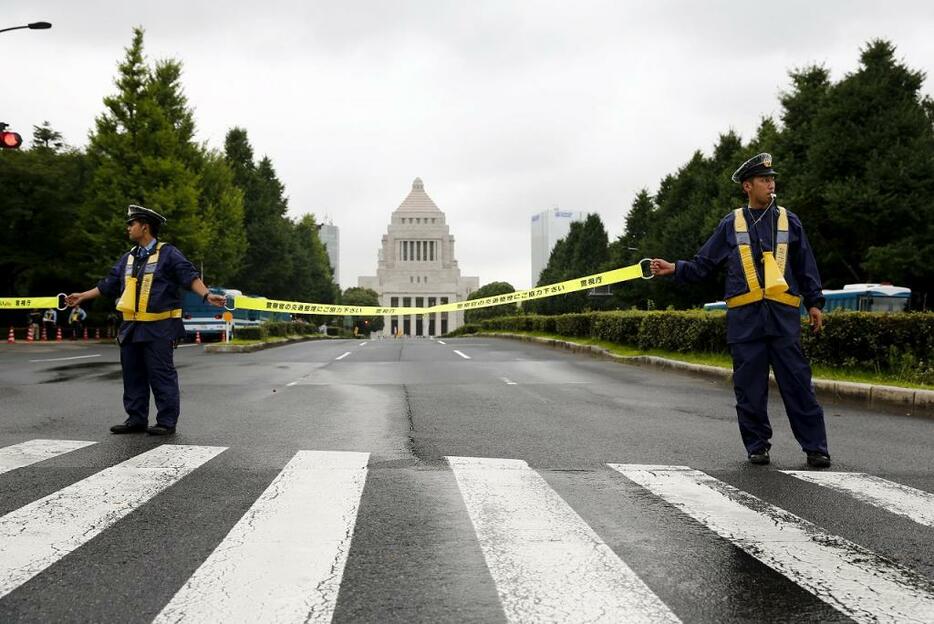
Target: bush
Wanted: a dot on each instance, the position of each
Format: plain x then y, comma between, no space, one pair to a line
257,332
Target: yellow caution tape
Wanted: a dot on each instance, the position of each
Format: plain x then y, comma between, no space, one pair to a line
12,303
641,269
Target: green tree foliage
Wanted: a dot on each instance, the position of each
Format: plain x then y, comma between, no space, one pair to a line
355,296
42,196
490,290
47,138
584,251
313,277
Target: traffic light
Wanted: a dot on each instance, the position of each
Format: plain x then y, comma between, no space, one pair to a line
9,140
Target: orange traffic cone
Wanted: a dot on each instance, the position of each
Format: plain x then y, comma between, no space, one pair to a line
197,337
29,336
10,337
85,333
44,336
97,334
58,334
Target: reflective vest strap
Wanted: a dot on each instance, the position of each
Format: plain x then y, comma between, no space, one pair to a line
147,280
745,253
152,316
781,249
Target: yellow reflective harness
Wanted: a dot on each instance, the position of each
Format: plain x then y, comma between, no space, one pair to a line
756,292
127,301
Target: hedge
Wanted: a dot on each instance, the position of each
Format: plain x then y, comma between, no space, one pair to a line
901,344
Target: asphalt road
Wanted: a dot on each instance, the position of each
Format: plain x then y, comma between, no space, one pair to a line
310,482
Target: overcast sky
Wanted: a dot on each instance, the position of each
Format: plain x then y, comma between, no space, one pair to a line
503,108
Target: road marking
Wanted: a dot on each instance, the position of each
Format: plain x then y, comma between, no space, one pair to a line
466,357
73,357
894,497
37,535
188,345
850,578
33,451
508,382
341,357
362,344
547,563
442,342
291,383
284,560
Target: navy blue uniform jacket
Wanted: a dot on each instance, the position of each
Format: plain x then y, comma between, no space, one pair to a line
173,273
763,318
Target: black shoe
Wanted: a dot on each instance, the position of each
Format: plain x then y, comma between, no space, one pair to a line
125,428
818,460
160,430
759,458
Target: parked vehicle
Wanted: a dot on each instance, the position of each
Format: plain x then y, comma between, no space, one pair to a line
855,297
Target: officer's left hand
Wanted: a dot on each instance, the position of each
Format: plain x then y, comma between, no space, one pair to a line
817,320
217,300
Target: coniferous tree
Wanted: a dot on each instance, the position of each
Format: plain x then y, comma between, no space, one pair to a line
490,290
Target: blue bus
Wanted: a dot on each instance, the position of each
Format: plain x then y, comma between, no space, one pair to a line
855,297
209,319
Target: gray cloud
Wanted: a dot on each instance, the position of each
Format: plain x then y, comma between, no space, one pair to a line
503,108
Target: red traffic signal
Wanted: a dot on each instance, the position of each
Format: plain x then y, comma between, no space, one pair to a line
9,140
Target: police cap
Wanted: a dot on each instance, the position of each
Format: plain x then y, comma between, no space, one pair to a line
758,165
134,213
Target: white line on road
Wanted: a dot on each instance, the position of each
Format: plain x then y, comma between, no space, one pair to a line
188,345
284,560
73,357
463,355
291,383
32,451
508,382
848,577
442,342
341,357
547,563
362,344
37,535
894,497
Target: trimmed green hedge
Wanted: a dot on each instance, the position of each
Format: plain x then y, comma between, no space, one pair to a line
280,329
901,344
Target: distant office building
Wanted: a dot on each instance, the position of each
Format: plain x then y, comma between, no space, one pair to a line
417,268
330,235
548,227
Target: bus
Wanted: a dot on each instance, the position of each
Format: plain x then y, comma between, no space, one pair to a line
203,317
855,297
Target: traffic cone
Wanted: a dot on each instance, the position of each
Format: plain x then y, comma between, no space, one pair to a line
44,336
197,337
85,333
58,334
97,334
29,336
10,337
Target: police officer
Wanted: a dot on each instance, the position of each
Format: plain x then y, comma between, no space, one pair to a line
770,271
148,281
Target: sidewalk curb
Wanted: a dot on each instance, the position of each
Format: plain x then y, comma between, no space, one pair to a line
907,401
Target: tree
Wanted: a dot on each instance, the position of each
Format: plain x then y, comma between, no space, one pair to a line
355,296
313,277
139,155
47,138
490,290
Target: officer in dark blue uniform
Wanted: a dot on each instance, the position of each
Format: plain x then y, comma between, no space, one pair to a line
771,271
148,280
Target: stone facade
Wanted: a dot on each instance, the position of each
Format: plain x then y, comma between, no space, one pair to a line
417,268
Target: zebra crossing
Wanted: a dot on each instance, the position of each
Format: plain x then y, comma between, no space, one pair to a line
284,559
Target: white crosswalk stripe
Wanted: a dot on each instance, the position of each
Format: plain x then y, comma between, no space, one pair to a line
547,563
284,559
33,451
37,535
894,497
856,581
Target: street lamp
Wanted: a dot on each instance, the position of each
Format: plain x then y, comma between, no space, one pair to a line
32,26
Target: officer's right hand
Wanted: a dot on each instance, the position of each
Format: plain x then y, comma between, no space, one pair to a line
73,299
662,267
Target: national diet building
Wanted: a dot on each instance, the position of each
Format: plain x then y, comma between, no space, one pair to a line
417,268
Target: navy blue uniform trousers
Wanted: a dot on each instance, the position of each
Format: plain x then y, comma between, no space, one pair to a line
150,365
751,362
